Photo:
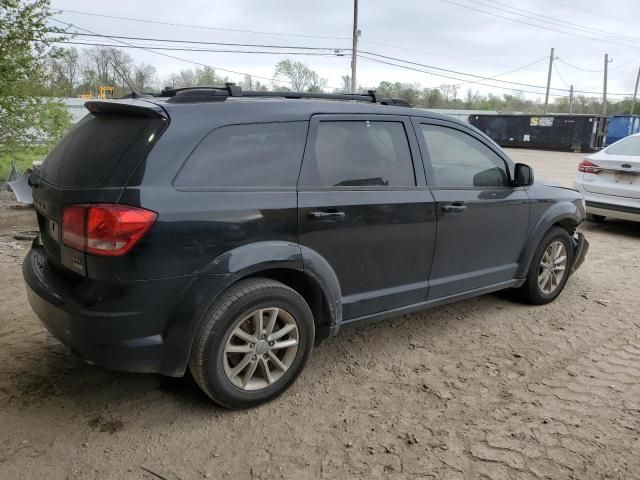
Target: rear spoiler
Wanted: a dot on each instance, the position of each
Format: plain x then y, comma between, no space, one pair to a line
145,109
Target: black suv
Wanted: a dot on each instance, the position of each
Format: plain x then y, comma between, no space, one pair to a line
227,231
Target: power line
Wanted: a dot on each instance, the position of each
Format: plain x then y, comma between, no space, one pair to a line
622,65
560,23
599,14
406,67
524,67
534,24
480,76
336,51
579,68
211,50
279,34
158,49
555,21
155,39
555,68
199,42
173,56
445,55
173,24
449,70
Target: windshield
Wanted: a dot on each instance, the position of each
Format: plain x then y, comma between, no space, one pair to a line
626,146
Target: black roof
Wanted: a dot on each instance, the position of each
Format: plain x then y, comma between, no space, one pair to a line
231,90
235,105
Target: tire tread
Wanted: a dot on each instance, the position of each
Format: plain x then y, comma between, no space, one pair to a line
215,315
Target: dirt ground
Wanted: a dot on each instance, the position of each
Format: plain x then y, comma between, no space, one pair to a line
485,388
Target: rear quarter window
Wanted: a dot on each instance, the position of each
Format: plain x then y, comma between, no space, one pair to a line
248,155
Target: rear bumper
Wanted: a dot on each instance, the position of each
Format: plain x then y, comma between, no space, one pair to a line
620,207
118,327
622,212
580,249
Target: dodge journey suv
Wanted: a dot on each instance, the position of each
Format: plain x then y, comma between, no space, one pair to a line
227,232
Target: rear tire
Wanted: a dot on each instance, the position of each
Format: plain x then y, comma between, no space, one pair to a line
240,356
591,217
550,268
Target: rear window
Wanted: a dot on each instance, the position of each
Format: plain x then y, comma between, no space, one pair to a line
626,146
250,155
102,150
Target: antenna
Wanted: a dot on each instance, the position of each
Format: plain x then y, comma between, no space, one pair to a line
134,94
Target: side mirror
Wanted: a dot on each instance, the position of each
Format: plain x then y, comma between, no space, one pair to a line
523,175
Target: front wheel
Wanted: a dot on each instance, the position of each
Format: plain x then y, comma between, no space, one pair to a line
252,343
550,268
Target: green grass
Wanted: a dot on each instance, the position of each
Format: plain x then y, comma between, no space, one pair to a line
23,156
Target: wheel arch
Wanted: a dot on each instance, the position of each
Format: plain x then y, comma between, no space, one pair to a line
312,278
562,214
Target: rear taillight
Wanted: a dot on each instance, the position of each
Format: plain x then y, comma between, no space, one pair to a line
104,229
587,167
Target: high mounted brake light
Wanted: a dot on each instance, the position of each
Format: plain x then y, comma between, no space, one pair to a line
586,166
105,229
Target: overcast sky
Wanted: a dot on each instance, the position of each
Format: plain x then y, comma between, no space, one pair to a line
450,34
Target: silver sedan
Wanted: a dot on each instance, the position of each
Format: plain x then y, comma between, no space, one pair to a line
610,181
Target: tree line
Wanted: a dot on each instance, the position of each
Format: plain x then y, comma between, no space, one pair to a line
74,72
35,74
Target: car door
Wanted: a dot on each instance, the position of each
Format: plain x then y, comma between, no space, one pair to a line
482,219
364,207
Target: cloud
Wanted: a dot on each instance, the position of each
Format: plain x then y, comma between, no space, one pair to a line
447,34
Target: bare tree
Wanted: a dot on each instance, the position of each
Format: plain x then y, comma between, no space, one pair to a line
144,77
172,81
65,71
106,66
187,78
247,83
346,83
446,91
472,98
259,87
299,76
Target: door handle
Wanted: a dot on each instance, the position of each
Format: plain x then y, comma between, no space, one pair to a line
320,215
453,208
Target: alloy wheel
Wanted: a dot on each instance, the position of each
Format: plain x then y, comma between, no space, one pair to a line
261,348
553,267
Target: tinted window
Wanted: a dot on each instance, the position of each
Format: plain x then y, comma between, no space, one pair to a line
626,146
252,155
101,147
459,160
360,153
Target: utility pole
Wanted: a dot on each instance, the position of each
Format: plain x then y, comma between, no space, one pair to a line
571,100
546,96
354,50
635,93
604,90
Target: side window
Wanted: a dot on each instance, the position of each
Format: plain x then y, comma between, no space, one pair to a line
459,160
360,153
251,155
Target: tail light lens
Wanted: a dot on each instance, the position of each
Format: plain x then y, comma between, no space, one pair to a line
587,167
105,229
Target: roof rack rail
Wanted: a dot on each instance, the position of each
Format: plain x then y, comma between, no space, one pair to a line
220,94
